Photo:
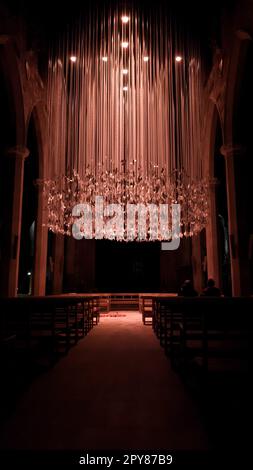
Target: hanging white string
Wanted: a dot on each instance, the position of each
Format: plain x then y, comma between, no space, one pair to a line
125,111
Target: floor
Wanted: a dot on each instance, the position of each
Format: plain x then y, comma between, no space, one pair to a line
114,390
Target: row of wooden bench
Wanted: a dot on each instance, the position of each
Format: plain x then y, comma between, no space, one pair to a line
114,301
52,324
202,330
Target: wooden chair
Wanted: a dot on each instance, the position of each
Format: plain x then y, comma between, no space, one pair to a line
147,310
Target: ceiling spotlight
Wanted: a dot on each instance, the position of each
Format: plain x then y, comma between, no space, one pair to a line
179,58
146,59
124,44
125,71
73,58
104,59
125,19
125,88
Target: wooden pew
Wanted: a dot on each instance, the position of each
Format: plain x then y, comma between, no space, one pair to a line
146,308
167,314
216,333
124,301
203,328
104,303
51,323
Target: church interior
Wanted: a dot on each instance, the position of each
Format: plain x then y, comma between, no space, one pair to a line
126,241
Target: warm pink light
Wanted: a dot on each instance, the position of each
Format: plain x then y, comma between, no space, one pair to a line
73,58
124,44
146,59
125,71
179,58
125,19
104,59
125,88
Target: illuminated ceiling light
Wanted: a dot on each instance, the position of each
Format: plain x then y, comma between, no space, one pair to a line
125,19
118,181
124,44
125,71
29,273
73,58
104,59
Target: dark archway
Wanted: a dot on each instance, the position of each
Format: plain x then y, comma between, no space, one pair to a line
222,213
29,214
49,268
8,139
203,254
127,267
242,134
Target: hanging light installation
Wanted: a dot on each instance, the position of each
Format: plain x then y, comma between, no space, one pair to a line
125,119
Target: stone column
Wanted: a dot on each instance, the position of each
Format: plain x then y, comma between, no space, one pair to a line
40,254
238,239
71,262
58,263
197,263
18,154
212,244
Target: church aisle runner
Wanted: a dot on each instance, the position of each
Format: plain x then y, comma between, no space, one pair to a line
114,390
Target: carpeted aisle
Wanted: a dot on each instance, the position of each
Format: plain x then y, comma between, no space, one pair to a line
114,390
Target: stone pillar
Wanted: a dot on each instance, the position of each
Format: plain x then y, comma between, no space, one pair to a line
85,263
18,154
71,267
238,238
40,254
212,243
197,263
58,263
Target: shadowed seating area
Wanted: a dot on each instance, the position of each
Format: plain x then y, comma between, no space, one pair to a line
112,386
139,405
126,233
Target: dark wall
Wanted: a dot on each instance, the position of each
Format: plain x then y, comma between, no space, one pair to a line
127,267
7,140
244,166
29,213
222,213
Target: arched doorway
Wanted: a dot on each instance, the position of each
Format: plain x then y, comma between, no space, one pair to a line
222,212
29,214
8,138
242,135
127,267
203,255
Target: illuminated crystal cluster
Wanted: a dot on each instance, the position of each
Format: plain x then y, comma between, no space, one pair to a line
64,193
125,108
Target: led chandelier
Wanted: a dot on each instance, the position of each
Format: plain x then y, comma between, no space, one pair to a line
125,111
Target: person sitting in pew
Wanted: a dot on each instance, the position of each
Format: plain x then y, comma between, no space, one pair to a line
211,290
187,289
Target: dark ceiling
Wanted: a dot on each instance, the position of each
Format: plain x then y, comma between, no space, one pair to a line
46,21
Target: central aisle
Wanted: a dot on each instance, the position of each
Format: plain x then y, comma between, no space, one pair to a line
114,390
